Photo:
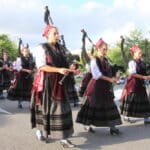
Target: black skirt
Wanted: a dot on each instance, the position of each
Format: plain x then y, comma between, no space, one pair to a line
21,90
136,105
101,113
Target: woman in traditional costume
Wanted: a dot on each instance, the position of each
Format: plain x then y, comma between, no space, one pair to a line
50,109
6,70
135,100
22,83
99,108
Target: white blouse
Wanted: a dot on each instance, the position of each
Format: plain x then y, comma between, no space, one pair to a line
40,57
132,67
96,73
17,64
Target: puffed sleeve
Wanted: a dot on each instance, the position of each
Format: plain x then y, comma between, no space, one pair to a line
132,67
96,73
40,57
87,67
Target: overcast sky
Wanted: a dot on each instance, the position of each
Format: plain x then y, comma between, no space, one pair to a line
100,18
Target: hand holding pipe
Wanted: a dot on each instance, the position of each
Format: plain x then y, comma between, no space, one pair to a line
65,72
62,79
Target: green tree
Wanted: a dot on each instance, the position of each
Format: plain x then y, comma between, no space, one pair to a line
120,53
145,46
136,37
114,56
8,45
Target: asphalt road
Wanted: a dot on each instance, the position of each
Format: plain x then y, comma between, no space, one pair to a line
16,133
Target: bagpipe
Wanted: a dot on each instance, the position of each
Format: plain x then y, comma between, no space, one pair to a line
114,68
47,18
61,41
71,58
21,59
84,55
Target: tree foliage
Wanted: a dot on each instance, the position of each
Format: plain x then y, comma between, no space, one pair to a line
114,56
8,45
134,37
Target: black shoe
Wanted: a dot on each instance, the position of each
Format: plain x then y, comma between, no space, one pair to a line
89,129
40,137
67,144
114,131
129,120
20,106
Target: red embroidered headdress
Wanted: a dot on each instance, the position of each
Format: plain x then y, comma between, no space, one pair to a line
99,43
46,30
133,49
